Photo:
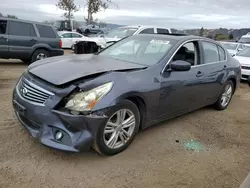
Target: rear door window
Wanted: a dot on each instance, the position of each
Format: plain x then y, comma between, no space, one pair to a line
67,35
3,26
46,31
162,31
210,52
147,31
75,35
21,29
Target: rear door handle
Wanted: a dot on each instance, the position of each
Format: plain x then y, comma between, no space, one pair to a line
3,37
224,67
199,74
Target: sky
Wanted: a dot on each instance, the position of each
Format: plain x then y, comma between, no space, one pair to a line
179,14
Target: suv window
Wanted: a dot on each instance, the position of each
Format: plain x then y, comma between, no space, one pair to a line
162,31
147,31
3,26
210,51
21,29
46,31
188,52
222,54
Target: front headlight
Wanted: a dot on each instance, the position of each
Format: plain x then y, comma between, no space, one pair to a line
85,101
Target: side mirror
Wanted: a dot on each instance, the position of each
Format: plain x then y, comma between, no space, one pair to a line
180,65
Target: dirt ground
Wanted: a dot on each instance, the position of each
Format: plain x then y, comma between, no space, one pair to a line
156,158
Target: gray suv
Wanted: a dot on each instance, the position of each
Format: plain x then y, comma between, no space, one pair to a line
28,41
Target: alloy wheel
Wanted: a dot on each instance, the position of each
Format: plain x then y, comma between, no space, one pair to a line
119,128
41,56
226,96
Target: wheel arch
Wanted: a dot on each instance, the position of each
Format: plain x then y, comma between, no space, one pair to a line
141,105
233,79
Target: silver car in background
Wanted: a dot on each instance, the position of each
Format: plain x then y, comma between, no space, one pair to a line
233,47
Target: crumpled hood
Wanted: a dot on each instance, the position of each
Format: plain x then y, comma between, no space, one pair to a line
63,69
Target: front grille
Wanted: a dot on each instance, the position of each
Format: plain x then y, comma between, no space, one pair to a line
244,76
32,92
244,67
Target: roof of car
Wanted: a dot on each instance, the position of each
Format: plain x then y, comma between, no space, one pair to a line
143,26
174,36
20,20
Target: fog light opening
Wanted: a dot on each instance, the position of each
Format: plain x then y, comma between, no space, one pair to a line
58,135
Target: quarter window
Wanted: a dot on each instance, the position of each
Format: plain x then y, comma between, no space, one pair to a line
21,29
3,26
46,31
210,52
147,31
222,54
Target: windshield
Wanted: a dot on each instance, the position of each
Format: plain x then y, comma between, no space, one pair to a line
244,53
230,46
139,49
244,40
121,32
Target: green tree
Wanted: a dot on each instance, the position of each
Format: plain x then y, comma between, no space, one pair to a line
1,14
221,37
11,16
95,6
68,6
231,36
201,32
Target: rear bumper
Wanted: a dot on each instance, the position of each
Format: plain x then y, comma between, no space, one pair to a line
57,52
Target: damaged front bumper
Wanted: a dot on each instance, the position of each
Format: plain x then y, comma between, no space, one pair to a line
54,128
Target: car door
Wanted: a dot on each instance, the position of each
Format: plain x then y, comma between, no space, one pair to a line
67,40
22,38
181,91
213,67
4,49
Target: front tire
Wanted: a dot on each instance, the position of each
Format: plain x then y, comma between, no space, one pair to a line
225,97
120,129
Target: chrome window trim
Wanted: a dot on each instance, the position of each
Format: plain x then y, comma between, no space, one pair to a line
193,40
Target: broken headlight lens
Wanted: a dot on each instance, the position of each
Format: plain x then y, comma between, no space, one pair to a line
86,100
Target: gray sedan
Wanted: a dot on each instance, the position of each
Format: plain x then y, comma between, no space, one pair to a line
74,102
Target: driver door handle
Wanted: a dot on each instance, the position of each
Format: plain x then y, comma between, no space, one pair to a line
199,74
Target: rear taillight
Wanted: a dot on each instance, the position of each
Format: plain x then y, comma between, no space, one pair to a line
60,43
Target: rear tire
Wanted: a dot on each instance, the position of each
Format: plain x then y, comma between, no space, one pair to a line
39,54
225,97
122,132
